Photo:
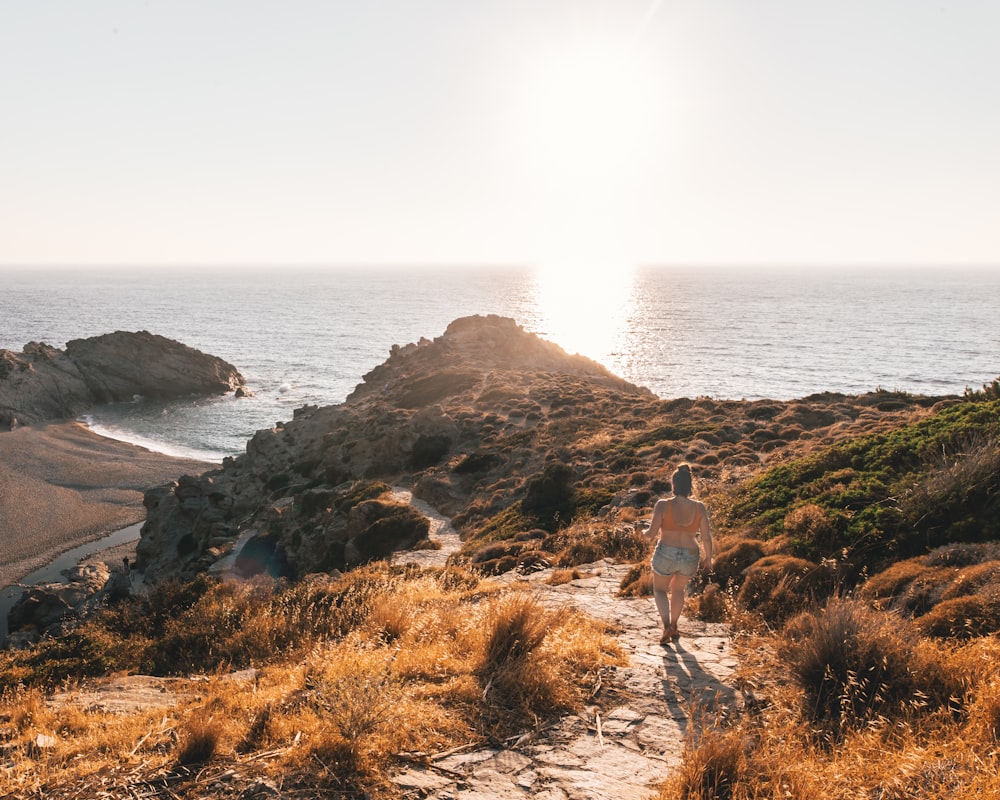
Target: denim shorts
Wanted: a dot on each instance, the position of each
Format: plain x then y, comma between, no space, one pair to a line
668,560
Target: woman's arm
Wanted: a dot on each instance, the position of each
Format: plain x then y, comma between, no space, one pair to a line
708,546
654,525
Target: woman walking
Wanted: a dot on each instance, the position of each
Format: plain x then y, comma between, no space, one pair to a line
683,536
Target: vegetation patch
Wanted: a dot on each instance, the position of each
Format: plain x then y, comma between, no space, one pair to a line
350,673
888,495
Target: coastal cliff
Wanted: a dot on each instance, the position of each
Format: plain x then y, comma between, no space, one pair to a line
467,415
45,383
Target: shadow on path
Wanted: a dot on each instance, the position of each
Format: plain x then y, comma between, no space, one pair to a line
690,685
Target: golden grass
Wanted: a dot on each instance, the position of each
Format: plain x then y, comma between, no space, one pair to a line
199,741
401,662
563,576
931,749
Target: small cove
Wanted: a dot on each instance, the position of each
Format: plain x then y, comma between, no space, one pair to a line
52,572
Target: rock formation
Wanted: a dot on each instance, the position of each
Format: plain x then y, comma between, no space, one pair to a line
45,608
448,417
492,426
43,382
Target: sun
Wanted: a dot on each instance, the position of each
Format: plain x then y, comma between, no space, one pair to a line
587,109
585,311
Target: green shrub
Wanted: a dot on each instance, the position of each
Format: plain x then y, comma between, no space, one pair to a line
889,495
549,498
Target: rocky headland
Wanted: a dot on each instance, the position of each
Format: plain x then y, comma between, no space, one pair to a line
490,425
62,485
44,383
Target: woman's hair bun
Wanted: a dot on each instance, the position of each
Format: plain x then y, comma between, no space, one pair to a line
681,480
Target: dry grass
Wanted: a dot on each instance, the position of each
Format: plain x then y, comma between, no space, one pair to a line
855,664
929,750
199,741
711,605
563,576
392,661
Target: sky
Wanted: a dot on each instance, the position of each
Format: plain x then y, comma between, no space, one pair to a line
571,134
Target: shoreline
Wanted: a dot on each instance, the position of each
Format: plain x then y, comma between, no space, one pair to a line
110,549
62,485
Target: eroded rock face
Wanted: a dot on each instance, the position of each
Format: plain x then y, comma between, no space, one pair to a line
414,420
43,382
45,608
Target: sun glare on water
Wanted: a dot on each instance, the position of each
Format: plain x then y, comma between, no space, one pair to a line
588,124
585,311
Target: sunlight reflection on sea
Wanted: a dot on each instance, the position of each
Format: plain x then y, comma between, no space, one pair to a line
309,335
585,312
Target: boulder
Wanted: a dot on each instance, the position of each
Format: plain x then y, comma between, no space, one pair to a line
188,528
43,608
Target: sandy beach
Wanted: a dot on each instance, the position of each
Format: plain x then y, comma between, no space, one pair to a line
62,485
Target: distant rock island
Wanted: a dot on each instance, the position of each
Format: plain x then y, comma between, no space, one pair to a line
45,383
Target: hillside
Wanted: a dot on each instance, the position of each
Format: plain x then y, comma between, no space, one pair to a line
490,425
855,580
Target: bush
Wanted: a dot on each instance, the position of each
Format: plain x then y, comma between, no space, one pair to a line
853,664
961,477
972,580
80,653
734,559
638,581
199,742
892,583
776,587
888,495
711,605
618,542
812,530
519,679
964,617
549,498
711,769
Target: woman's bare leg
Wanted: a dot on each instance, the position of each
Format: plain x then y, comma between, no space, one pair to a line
661,587
678,585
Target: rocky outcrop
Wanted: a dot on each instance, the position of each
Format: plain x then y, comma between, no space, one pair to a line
45,608
43,382
498,429
449,416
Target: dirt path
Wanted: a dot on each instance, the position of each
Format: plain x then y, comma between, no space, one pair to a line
652,705
622,748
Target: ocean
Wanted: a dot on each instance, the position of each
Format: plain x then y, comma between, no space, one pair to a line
308,335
